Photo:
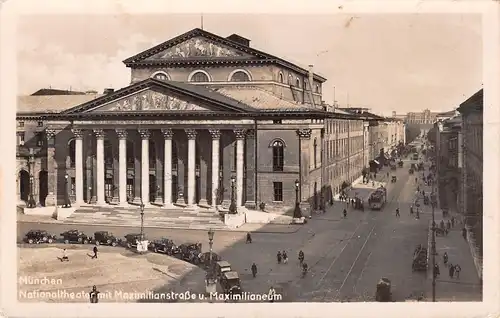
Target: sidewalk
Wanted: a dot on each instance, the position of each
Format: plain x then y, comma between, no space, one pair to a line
466,288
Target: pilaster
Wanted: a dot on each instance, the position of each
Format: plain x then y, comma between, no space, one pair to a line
51,199
304,146
250,146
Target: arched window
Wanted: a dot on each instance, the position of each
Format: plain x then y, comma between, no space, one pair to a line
290,79
278,158
162,76
315,145
199,76
240,76
317,88
297,82
280,78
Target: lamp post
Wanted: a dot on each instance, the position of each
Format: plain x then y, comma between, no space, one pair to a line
210,243
232,206
297,213
31,163
142,221
67,203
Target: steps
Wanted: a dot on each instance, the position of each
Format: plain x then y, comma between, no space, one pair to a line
188,218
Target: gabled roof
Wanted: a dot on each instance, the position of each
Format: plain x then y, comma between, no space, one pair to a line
52,91
473,103
51,103
196,91
259,56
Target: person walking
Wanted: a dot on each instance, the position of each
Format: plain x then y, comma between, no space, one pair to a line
64,257
278,257
94,299
285,257
445,259
95,252
457,270
249,238
254,270
464,233
453,221
451,270
436,270
345,213
397,213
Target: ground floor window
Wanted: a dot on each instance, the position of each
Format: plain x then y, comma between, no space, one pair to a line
278,191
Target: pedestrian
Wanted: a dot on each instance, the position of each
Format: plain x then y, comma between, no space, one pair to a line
397,212
249,238
436,270
285,257
64,257
345,213
411,209
457,270
278,257
95,252
464,233
451,270
448,225
445,258
270,294
94,299
254,270
453,221
441,225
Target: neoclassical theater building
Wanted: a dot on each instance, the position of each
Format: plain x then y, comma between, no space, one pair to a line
203,115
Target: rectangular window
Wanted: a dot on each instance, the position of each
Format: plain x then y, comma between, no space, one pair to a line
20,124
40,124
277,121
278,191
20,138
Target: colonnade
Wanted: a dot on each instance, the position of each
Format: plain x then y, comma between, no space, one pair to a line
145,135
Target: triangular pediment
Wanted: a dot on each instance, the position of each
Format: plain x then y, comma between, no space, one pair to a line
156,96
198,47
150,100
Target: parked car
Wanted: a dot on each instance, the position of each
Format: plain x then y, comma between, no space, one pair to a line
106,238
163,245
39,236
190,252
132,239
222,267
75,236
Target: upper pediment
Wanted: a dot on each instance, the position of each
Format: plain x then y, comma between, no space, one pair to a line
198,47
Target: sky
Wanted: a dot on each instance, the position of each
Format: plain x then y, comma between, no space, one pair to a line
386,62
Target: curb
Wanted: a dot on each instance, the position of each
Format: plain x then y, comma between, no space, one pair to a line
166,227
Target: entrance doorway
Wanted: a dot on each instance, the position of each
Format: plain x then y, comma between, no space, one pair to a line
152,188
197,195
43,186
24,184
174,188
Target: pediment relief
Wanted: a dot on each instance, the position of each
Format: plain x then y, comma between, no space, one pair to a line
150,100
197,47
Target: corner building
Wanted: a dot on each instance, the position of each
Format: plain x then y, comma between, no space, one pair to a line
203,114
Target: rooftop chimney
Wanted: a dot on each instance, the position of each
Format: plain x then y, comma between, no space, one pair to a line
108,91
239,39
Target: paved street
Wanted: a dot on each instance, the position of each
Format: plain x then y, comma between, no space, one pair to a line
346,257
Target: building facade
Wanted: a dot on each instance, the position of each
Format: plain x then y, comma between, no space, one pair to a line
204,117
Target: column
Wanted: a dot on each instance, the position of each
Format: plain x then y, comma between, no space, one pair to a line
191,135
99,133
305,195
144,165
240,142
122,166
51,198
251,190
78,165
215,133
167,171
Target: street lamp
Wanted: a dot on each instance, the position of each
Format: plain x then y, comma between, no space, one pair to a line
142,221
232,206
297,213
210,243
67,203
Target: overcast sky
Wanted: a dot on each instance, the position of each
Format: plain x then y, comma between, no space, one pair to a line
402,62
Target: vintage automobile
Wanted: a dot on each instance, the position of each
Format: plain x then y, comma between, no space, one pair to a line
400,164
358,204
205,259
39,236
131,240
410,171
383,293
222,267
230,283
163,245
190,252
75,236
394,179
105,238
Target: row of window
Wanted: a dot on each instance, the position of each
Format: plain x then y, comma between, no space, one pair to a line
297,82
343,126
20,124
341,170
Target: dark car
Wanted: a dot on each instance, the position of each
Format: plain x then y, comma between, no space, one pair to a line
39,236
105,238
75,236
131,239
163,245
190,252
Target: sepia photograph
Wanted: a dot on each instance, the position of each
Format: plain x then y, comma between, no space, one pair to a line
215,158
